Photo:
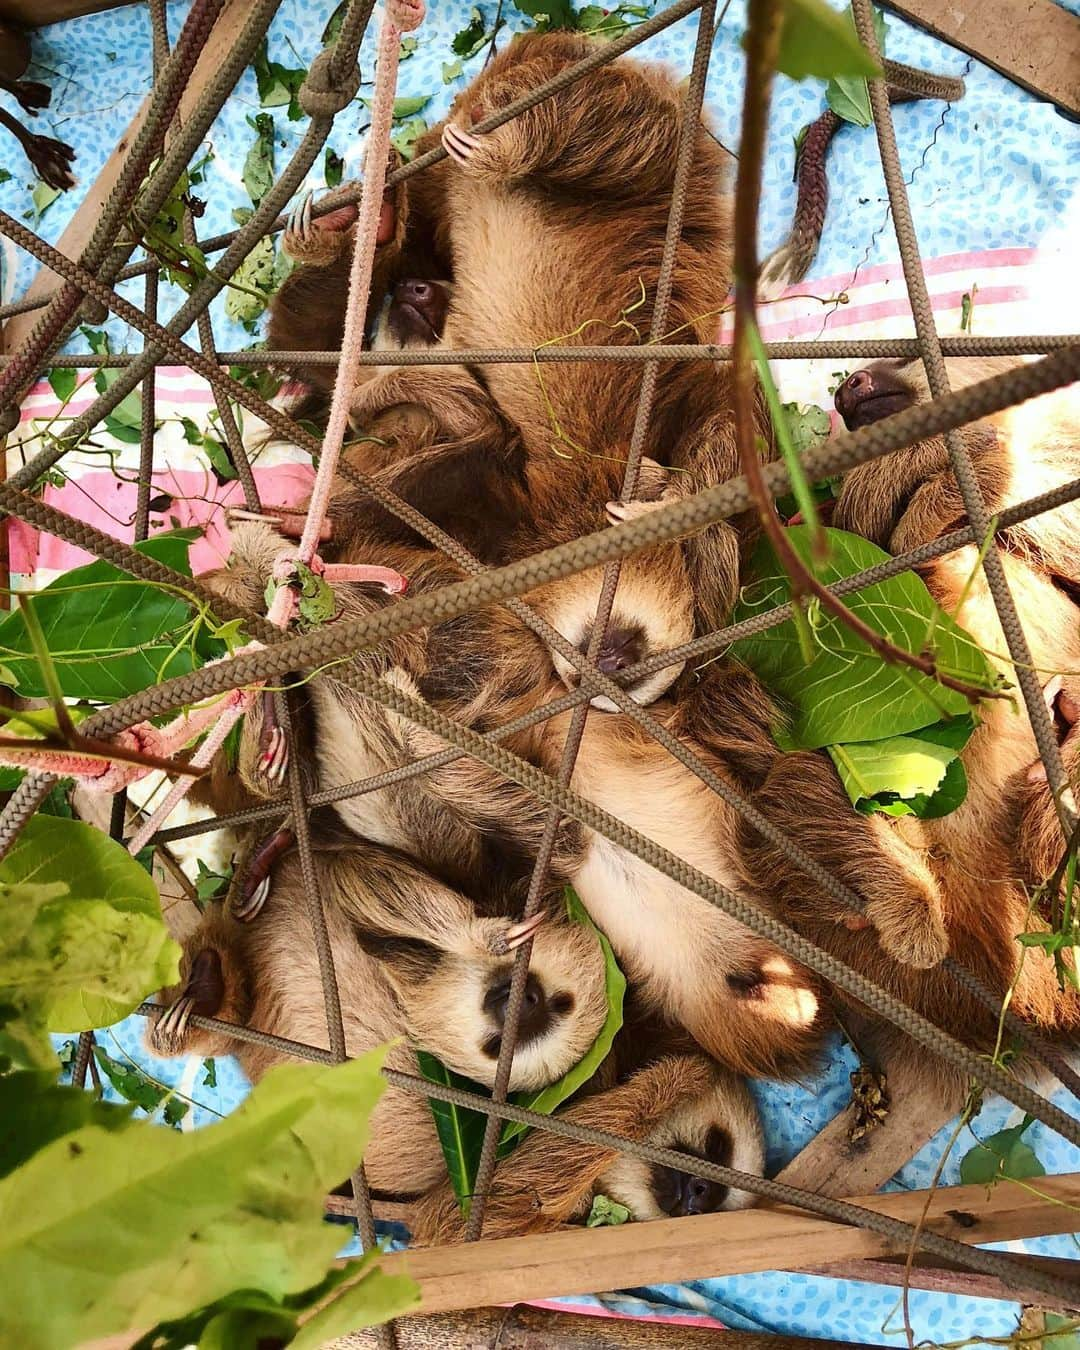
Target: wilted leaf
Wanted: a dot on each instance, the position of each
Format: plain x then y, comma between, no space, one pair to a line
818,41
606,1213
92,952
847,693
43,197
278,85
177,1221
472,37
258,173
547,1099
35,1110
451,70
255,274
109,635
1002,1156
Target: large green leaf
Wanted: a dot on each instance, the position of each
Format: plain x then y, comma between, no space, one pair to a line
847,693
90,957
460,1131
364,1302
848,95
35,1110
816,40
109,634
1001,1155
176,1221
547,1099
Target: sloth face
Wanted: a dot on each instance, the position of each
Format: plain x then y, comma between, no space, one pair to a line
721,1126
653,611
458,1010
412,316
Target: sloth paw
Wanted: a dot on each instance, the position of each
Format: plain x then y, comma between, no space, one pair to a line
512,937
250,896
317,240
912,934
273,745
459,144
169,1034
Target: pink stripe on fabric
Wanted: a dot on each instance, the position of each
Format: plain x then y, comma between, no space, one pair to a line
851,316
103,501
662,1319
933,267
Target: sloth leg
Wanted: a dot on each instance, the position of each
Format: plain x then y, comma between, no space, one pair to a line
802,796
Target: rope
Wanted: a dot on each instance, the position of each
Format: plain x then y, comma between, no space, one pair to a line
842,1211
859,348
968,483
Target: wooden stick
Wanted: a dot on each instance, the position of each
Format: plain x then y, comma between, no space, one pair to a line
587,1261
1036,44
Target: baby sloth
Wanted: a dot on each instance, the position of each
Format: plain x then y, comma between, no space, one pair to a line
413,958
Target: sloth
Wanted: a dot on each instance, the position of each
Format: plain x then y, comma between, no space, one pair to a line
975,868
552,229
414,958
438,439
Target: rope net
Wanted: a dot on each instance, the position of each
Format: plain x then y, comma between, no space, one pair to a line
152,165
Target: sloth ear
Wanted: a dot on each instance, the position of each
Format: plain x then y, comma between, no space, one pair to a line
406,961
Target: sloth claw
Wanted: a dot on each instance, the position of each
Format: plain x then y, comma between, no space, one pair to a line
170,1030
620,512
517,934
458,143
249,907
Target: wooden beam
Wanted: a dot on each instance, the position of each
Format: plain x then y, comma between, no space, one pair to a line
230,24
39,13
1034,43
525,1328
590,1260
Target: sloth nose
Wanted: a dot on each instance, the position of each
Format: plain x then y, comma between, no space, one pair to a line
535,1010
621,648
701,1196
856,389
417,293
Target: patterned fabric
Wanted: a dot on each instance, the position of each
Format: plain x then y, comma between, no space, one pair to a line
991,180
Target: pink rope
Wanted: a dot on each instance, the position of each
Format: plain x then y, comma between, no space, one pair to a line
401,16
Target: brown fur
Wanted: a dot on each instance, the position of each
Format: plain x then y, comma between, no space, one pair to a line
966,864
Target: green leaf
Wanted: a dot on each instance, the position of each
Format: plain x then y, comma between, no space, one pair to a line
86,954
460,1131
5,176
451,70
210,1080
175,1111
258,172
43,197
97,338
1002,1156
471,38
220,460
847,95
63,382
316,597
606,1213
35,1110
109,634
375,1297
919,774
818,41
255,273
131,1082
547,1099
120,431
128,412
209,885
556,13
1062,1333
407,134
176,1221
847,693
333,167
278,85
